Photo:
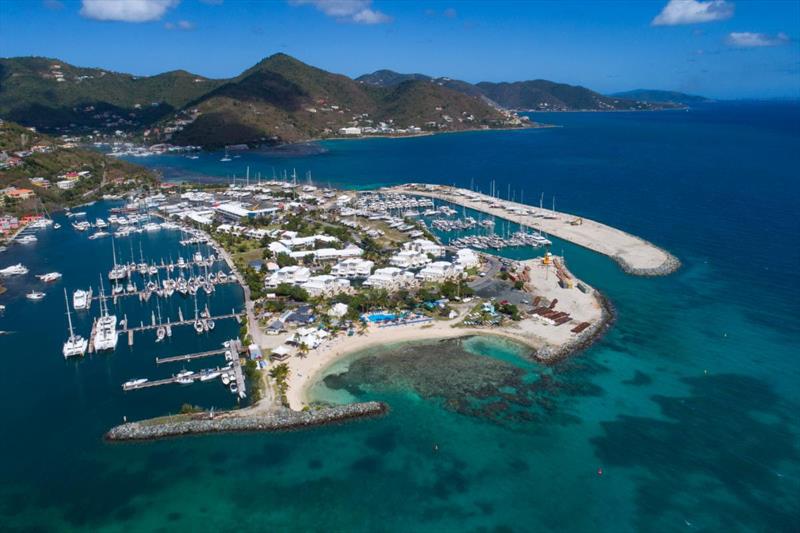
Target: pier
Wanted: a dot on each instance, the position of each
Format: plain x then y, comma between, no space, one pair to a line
635,255
235,348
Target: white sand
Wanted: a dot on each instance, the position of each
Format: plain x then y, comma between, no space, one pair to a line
533,332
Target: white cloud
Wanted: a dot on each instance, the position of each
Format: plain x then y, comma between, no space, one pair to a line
126,10
746,39
678,12
358,11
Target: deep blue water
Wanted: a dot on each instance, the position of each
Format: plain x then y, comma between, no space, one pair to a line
688,405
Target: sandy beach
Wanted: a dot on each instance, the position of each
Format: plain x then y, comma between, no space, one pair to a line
635,255
532,332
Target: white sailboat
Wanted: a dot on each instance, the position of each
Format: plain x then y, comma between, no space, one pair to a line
75,345
106,334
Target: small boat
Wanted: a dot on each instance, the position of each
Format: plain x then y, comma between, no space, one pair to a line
226,378
49,277
130,287
234,389
56,226
34,295
161,333
98,235
210,324
198,326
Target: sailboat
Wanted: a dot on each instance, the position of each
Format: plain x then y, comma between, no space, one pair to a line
161,332
106,334
198,324
226,158
75,344
119,271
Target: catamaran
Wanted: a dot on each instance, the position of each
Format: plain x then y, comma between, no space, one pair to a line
75,344
106,335
119,271
81,299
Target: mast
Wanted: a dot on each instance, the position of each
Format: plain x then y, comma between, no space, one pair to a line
69,316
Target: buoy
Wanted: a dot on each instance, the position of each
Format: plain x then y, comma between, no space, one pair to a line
435,447
599,471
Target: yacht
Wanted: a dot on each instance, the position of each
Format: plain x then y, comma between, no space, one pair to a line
34,295
106,335
75,344
100,223
152,226
49,277
27,239
208,376
184,377
198,257
81,299
130,287
135,382
14,270
98,235
119,271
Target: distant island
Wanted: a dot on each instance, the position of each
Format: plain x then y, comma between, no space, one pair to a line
279,100
532,95
663,97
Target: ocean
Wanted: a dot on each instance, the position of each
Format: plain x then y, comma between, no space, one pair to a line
682,417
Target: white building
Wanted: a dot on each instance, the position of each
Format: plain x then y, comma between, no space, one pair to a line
326,254
353,268
389,278
66,185
467,258
293,275
304,242
425,246
350,131
409,259
438,271
325,285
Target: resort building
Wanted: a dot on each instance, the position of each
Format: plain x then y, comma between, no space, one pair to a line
325,285
425,246
409,259
466,258
293,275
353,268
389,278
439,271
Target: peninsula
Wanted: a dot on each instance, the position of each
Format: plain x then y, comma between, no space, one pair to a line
328,273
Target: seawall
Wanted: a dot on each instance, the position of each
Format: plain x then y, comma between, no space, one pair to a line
233,422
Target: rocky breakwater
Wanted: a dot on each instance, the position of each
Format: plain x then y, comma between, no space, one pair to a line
668,266
235,421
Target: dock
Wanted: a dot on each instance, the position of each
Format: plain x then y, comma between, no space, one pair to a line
235,346
142,327
635,255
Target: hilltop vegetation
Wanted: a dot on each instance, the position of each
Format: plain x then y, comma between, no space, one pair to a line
280,99
522,95
27,154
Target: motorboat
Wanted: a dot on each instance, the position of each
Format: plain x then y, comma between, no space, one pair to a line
161,333
234,389
98,235
135,382
208,376
35,295
49,277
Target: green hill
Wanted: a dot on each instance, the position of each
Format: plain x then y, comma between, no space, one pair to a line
55,96
39,155
654,95
528,95
280,99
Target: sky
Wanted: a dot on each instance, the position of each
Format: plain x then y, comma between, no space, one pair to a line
717,48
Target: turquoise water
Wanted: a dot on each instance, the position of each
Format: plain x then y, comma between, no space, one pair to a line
688,405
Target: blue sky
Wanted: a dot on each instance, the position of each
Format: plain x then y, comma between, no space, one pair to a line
717,48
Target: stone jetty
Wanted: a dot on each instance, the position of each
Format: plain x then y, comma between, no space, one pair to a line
233,421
